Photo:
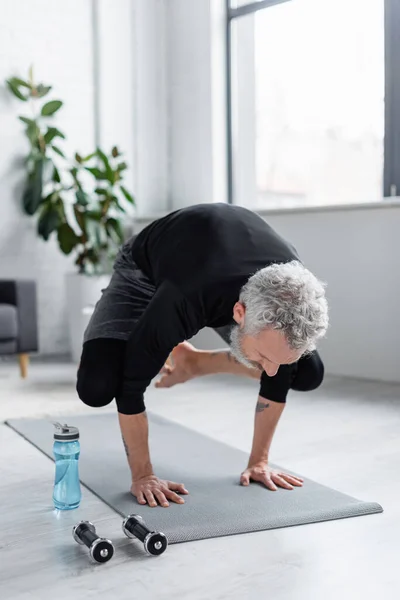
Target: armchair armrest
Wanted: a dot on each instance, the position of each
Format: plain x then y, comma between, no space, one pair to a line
22,295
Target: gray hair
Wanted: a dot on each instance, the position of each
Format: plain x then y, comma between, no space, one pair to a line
287,297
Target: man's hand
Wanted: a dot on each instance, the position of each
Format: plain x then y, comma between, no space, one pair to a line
150,490
271,478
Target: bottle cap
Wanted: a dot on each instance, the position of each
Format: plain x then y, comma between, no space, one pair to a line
65,432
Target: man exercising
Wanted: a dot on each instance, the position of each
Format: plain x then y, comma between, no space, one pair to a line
211,265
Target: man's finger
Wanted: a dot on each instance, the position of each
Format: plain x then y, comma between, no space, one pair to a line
177,487
172,496
140,498
267,481
293,480
244,479
286,475
281,482
161,498
150,498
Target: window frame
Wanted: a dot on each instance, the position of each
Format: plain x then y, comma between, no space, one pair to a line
391,142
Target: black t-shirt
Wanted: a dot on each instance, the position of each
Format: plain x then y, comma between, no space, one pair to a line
198,258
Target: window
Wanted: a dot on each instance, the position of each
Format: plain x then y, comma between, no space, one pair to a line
307,83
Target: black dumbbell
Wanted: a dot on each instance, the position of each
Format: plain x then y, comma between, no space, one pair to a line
101,550
155,543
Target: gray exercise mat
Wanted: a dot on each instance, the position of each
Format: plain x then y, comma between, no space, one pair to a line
217,504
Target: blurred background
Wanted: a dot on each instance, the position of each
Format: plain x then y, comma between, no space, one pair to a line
115,113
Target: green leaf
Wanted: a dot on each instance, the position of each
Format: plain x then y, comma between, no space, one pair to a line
74,173
51,107
20,82
80,217
96,233
13,87
30,200
127,195
56,175
88,157
58,151
117,204
51,133
97,173
78,158
50,199
114,227
82,198
32,196
108,170
122,166
100,191
33,132
42,90
94,215
48,222
67,238
93,256
120,207
27,121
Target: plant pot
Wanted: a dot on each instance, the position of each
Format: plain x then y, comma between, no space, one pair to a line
83,292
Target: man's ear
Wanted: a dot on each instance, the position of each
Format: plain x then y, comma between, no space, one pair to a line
239,312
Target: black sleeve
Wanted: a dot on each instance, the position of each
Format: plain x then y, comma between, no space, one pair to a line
168,320
276,388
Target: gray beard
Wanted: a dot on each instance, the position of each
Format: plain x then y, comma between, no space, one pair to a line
236,336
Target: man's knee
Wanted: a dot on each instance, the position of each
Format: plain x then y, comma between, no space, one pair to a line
310,373
95,390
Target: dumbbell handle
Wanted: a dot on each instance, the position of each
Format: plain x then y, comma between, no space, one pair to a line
137,528
88,537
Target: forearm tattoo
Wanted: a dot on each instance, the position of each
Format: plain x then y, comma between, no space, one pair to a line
261,406
125,446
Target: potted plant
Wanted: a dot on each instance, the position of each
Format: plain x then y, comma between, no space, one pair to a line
82,202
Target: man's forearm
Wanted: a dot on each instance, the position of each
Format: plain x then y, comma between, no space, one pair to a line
266,419
135,436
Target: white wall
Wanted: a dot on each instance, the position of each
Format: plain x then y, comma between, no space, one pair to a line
132,99
56,37
114,59
197,100
151,105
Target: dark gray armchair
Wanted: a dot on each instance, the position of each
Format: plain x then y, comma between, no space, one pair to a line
18,320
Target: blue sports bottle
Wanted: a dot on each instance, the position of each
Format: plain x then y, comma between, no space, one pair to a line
67,489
